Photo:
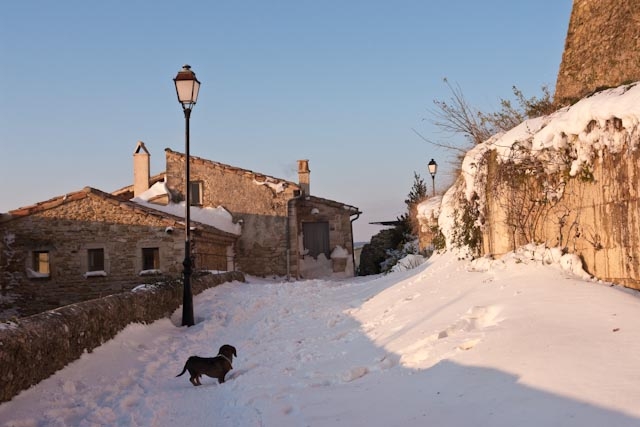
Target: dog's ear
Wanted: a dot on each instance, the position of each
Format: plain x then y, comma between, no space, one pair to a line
234,352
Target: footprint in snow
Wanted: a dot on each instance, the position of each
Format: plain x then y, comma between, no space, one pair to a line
354,373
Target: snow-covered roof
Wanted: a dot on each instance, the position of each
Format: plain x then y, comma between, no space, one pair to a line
218,217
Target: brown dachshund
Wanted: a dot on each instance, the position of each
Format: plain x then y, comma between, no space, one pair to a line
214,367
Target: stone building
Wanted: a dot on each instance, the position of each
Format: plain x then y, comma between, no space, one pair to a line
601,48
89,244
285,230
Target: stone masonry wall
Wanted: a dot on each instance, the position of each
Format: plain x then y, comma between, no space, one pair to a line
260,202
601,48
38,346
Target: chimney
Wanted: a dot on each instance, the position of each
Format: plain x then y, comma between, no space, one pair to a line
140,169
303,176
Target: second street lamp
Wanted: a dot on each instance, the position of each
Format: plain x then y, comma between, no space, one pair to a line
187,88
433,168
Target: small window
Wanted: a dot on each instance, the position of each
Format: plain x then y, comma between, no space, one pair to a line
150,258
40,266
195,190
95,259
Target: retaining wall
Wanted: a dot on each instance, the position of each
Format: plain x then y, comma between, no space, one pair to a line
40,345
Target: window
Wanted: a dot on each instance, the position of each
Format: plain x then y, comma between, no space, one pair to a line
316,238
40,264
195,190
150,258
95,260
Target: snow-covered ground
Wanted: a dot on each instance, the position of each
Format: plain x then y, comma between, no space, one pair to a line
515,342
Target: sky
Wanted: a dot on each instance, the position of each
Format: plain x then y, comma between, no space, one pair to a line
511,342
343,84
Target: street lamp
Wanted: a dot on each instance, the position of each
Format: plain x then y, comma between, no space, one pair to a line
433,168
187,87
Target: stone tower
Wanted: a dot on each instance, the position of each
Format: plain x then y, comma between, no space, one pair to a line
602,48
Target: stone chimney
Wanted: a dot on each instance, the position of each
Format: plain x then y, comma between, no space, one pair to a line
303,176
140,169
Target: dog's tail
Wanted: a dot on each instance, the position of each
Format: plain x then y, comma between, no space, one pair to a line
183,370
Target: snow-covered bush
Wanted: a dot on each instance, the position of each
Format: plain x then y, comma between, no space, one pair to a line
395,255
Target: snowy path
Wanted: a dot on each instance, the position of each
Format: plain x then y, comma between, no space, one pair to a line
513,344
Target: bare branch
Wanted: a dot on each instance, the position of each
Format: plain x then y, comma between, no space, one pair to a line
461,150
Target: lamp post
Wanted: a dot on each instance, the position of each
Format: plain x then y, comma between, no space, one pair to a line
187,87
433,168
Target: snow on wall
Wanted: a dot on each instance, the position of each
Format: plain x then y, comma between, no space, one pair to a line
430,208
275,185
570,138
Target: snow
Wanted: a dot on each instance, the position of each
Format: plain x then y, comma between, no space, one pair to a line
150,272
218,217
95,273
339,252
32,274
518,341
408,262
550,137
274,184
143,288
430,208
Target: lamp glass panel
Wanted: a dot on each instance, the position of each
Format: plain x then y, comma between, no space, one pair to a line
185,90
196,89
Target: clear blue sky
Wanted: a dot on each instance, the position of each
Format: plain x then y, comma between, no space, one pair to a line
341,83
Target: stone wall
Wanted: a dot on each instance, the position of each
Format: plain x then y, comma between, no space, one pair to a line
38,346
258,201
596,214
601,48
271,211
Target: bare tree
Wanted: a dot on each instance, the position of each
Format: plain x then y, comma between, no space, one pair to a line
457,117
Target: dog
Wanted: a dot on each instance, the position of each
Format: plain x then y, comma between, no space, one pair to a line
214,367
